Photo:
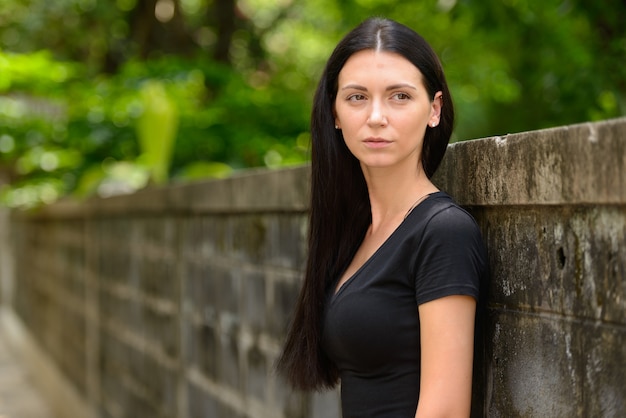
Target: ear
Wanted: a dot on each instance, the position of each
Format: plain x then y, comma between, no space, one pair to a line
337,124
435,112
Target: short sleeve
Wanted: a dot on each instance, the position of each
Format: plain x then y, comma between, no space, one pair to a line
451,257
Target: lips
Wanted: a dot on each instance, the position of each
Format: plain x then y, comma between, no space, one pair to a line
376,142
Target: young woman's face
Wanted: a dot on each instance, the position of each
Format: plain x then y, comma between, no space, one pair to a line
383,109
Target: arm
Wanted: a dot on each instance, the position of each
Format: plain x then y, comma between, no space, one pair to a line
447,344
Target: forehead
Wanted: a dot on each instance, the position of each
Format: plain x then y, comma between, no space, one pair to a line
383,66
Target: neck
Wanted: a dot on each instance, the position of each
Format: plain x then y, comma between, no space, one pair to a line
392,195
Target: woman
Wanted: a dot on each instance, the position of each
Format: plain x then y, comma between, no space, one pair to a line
394,265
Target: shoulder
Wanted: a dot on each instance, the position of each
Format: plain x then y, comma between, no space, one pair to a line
450,258
444,217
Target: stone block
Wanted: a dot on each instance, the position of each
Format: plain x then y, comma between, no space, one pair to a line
292,404
206,350
229,284
284,296
257,374
549,365
326,404
158,278
559,259
287,241
254,307
229,364
200,403
161,329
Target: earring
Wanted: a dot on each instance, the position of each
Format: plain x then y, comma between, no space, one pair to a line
433,124
336,126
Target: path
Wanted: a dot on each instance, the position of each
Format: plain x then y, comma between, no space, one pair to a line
19,397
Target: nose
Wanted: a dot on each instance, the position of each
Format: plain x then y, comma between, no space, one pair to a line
377,115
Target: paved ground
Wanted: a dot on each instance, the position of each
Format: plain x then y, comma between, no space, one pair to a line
19,397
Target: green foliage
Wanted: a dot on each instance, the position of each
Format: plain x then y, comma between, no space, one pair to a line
108,134
98,97
156,129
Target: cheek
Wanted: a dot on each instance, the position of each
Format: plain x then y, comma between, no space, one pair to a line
349,137
416,120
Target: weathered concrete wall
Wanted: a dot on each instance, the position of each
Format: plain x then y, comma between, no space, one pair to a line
174,302
552,208
169,302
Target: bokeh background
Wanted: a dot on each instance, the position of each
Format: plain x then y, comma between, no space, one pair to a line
101,97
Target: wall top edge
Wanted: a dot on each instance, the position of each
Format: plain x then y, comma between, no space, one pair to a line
569,165
256,190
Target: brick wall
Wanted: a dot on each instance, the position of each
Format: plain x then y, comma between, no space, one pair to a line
173,302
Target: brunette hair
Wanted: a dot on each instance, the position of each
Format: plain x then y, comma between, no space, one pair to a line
340,211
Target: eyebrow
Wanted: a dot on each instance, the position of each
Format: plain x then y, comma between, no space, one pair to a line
392,87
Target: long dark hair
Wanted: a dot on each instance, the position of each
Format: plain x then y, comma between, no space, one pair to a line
340,209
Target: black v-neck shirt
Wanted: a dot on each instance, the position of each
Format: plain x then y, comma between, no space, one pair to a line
371,326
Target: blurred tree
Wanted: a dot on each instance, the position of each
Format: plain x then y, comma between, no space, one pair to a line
241,74
223,16
154,26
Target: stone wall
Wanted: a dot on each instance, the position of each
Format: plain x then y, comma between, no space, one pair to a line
173,302
552,208
6,258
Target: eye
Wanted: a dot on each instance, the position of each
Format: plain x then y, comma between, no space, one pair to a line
356,97
401,96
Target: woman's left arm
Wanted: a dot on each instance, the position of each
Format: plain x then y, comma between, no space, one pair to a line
447,345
